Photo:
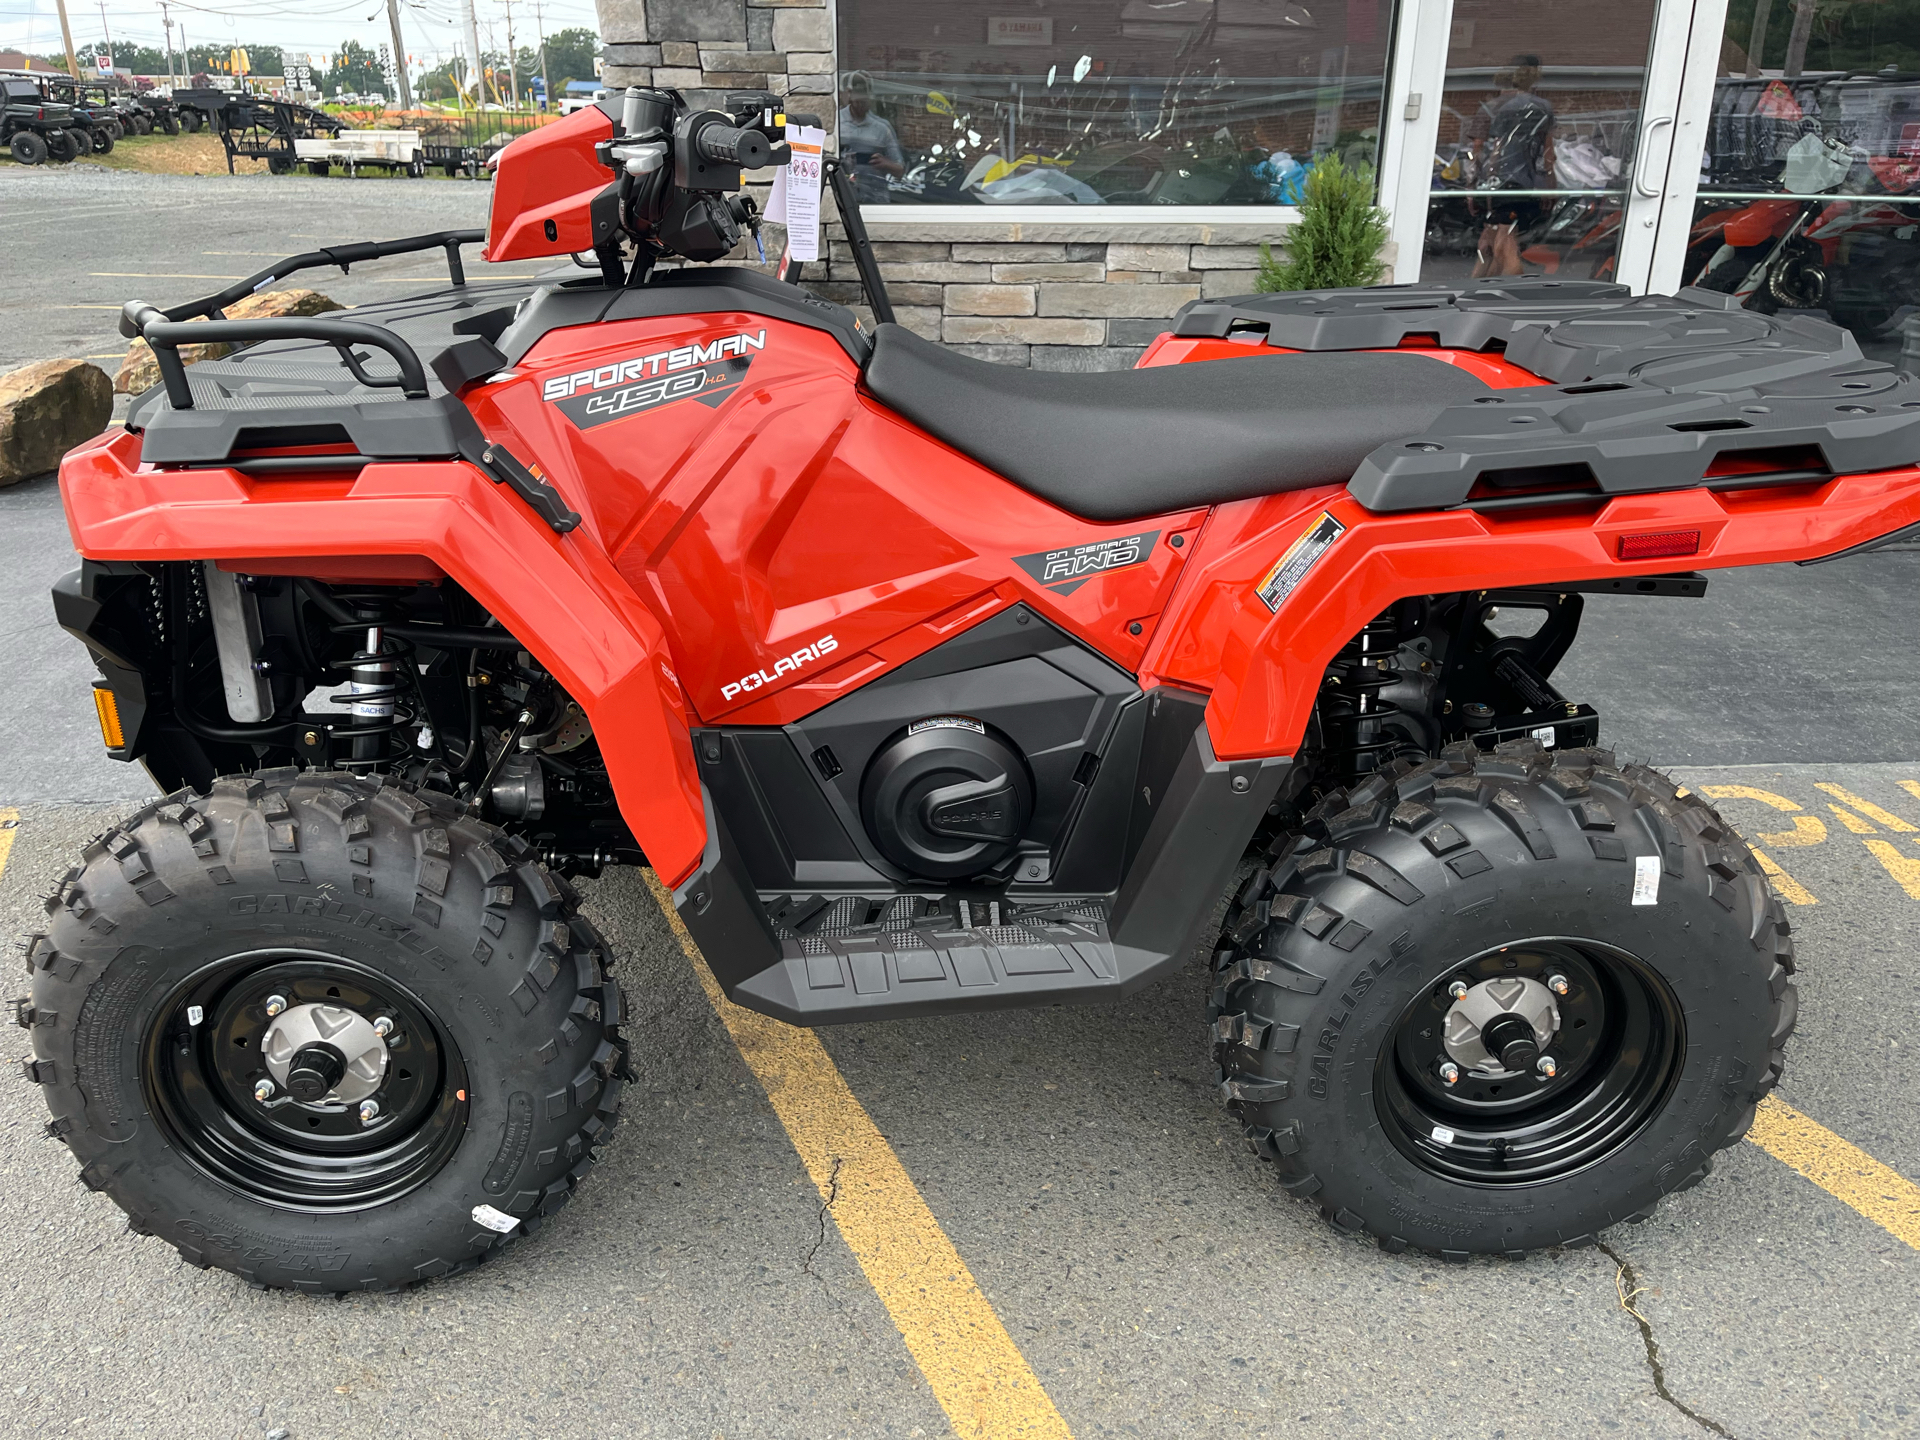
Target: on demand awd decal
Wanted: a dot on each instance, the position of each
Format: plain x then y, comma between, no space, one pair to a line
1065,571
708,373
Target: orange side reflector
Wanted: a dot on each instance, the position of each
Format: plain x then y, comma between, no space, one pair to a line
1659,543
109,709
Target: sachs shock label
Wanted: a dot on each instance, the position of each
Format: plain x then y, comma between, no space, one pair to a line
621,388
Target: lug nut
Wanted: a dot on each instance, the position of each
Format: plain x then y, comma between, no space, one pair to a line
1546,1066
1449,1072
369,1109
275,1004
1458,989
383,1026
263,1091
1558,984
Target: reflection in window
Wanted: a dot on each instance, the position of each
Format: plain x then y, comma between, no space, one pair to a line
1810,180
1538,124
1106,102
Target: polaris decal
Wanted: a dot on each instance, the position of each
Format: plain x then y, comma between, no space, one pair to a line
786,664
1065,571
621,388
1291,568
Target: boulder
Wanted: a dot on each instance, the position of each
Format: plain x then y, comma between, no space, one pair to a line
140,371
46,409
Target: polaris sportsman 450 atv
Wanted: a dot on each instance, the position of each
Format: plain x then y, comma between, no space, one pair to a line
924,685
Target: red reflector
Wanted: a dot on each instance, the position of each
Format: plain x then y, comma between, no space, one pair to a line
1659,543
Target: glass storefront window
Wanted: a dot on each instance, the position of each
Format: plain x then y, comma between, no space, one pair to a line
1538,126
1810,183
1106,102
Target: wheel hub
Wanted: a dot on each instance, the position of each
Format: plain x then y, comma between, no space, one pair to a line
325,1054
1501,1026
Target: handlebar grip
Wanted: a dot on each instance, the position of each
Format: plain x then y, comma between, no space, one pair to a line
725,145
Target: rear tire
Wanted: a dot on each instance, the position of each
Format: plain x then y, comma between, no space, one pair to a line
27,147
498,1075
102,141
190,121
1333,1024
60,146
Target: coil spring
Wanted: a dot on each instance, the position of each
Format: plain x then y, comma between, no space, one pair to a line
372,691
1353,712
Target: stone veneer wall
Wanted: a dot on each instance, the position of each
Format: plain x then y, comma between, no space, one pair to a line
1067,294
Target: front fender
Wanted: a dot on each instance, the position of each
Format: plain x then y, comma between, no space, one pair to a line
558,595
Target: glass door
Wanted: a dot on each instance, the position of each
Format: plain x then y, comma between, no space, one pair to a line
1537,136
1803,182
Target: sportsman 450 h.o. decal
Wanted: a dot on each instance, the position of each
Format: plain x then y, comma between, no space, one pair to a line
708,373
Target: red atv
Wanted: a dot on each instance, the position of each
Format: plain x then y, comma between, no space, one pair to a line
926,686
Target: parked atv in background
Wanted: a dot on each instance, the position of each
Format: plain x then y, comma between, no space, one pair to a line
99,122
160,111
32,127
924,686
1852,256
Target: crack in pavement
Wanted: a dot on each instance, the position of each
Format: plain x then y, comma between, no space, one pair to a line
826,1208
1628,1285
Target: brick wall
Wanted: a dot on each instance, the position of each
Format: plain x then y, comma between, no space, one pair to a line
1058,295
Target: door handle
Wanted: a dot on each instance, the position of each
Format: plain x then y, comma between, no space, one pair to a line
1640,169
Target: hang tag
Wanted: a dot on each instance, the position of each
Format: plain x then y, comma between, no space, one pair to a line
1646,880
495,1219
795,199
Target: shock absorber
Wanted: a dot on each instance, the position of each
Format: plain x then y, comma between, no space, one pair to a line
1353,712
372,697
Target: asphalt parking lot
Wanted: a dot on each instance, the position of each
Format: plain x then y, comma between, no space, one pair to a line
1032,1223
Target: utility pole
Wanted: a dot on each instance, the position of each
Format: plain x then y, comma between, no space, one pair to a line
513,78
476,68
399,55
66,33
540,29
166,22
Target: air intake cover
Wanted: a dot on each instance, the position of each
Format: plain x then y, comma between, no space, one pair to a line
946,797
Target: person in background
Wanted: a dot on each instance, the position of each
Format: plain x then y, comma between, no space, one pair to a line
1512,139
867,143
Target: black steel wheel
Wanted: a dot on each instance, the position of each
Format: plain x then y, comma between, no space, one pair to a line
203,1082
1500,1001
27,147
323,1031
102,140
1589,1042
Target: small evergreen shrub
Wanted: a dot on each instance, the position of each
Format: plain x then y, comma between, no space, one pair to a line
1338,239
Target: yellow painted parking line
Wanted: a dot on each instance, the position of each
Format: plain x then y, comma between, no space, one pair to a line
1784,885
154,275
975,1370
1840,1168
1867,808
1904,869
9,827
1853,822
1912,787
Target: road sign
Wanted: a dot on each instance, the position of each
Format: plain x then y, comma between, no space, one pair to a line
300,77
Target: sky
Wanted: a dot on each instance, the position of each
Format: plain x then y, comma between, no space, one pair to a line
431,28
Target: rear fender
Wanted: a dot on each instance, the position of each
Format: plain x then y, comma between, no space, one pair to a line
557,594
1263,662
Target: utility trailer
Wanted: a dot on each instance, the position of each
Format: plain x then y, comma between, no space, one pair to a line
255,128
395,151
466,145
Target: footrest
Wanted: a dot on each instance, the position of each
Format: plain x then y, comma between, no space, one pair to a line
857,958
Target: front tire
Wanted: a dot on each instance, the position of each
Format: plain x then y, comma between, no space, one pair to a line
27,147
204,956
1524,888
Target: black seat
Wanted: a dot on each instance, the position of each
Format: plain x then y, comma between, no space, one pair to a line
1120,445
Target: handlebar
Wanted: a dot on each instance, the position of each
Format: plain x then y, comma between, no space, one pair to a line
726,145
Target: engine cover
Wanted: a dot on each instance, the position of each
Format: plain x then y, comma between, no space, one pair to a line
946,797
